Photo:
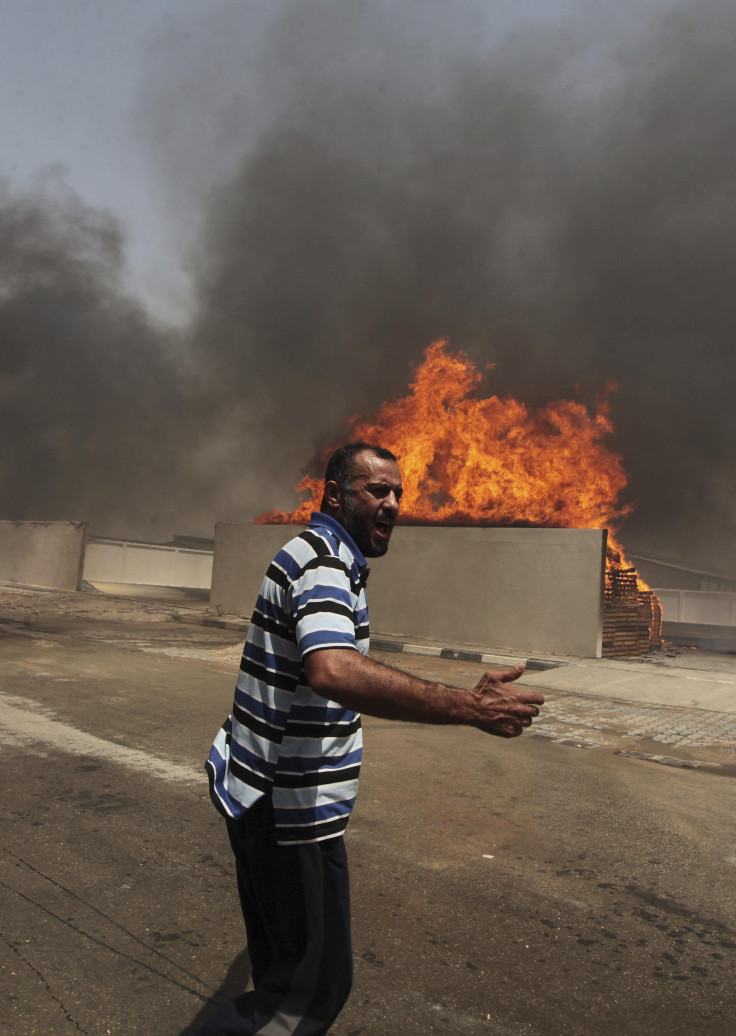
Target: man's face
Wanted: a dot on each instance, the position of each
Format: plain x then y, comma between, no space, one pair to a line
370,505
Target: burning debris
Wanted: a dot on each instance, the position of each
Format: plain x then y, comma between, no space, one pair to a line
468,460
632,613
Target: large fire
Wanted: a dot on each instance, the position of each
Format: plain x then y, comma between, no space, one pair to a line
468,460
475,461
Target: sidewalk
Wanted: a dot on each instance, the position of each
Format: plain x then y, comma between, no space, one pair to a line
691,679
676,708
701,680
678,677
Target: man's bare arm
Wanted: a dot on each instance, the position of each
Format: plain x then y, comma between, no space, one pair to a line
360,683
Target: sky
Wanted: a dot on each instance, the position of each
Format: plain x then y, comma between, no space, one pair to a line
230,225
80,76
73,73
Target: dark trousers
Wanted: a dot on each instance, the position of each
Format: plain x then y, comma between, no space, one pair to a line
296,905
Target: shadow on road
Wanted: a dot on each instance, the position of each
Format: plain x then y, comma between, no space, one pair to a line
233,985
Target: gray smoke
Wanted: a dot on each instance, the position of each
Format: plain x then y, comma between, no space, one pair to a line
88,391
364,178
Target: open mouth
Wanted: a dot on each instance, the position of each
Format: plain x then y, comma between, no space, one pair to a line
383,528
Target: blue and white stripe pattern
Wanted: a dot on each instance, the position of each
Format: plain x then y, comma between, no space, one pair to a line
281,736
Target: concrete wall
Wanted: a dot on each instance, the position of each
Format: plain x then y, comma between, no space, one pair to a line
49,554
242,555
701,607
521,591
148,564
667,575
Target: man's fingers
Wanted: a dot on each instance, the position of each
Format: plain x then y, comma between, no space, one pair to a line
507,675
490,679
524,713
507,728
508,711
530,697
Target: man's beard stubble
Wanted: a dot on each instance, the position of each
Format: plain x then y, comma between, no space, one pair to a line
359,526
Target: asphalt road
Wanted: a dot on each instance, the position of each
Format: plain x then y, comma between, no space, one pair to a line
501,887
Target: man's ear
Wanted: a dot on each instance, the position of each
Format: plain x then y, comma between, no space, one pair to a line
333,496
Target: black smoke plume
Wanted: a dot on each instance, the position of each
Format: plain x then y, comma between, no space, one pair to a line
556,198
89,390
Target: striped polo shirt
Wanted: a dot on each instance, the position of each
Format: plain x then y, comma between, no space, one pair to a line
281,736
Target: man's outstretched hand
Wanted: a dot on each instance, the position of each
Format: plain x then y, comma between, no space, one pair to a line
502,709
359,683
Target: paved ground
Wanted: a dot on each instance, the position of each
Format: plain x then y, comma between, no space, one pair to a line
577,880
594,702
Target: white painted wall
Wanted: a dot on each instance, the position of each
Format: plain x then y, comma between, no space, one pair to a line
705,607
148,564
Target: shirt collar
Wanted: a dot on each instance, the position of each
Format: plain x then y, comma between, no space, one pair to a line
326,521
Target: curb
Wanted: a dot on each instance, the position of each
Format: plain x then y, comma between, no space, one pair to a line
461,654
394,646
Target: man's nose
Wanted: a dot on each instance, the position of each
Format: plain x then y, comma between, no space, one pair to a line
391,502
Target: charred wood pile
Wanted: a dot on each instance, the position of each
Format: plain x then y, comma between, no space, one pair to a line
632,614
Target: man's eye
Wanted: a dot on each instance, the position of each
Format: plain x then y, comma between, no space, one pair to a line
381,491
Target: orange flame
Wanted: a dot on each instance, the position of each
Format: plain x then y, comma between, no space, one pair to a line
476,461
489,461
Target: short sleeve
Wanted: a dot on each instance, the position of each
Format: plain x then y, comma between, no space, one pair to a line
323,606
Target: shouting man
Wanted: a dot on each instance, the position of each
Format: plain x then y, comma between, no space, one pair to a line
284,767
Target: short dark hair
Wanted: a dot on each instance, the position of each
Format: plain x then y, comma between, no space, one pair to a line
341,463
